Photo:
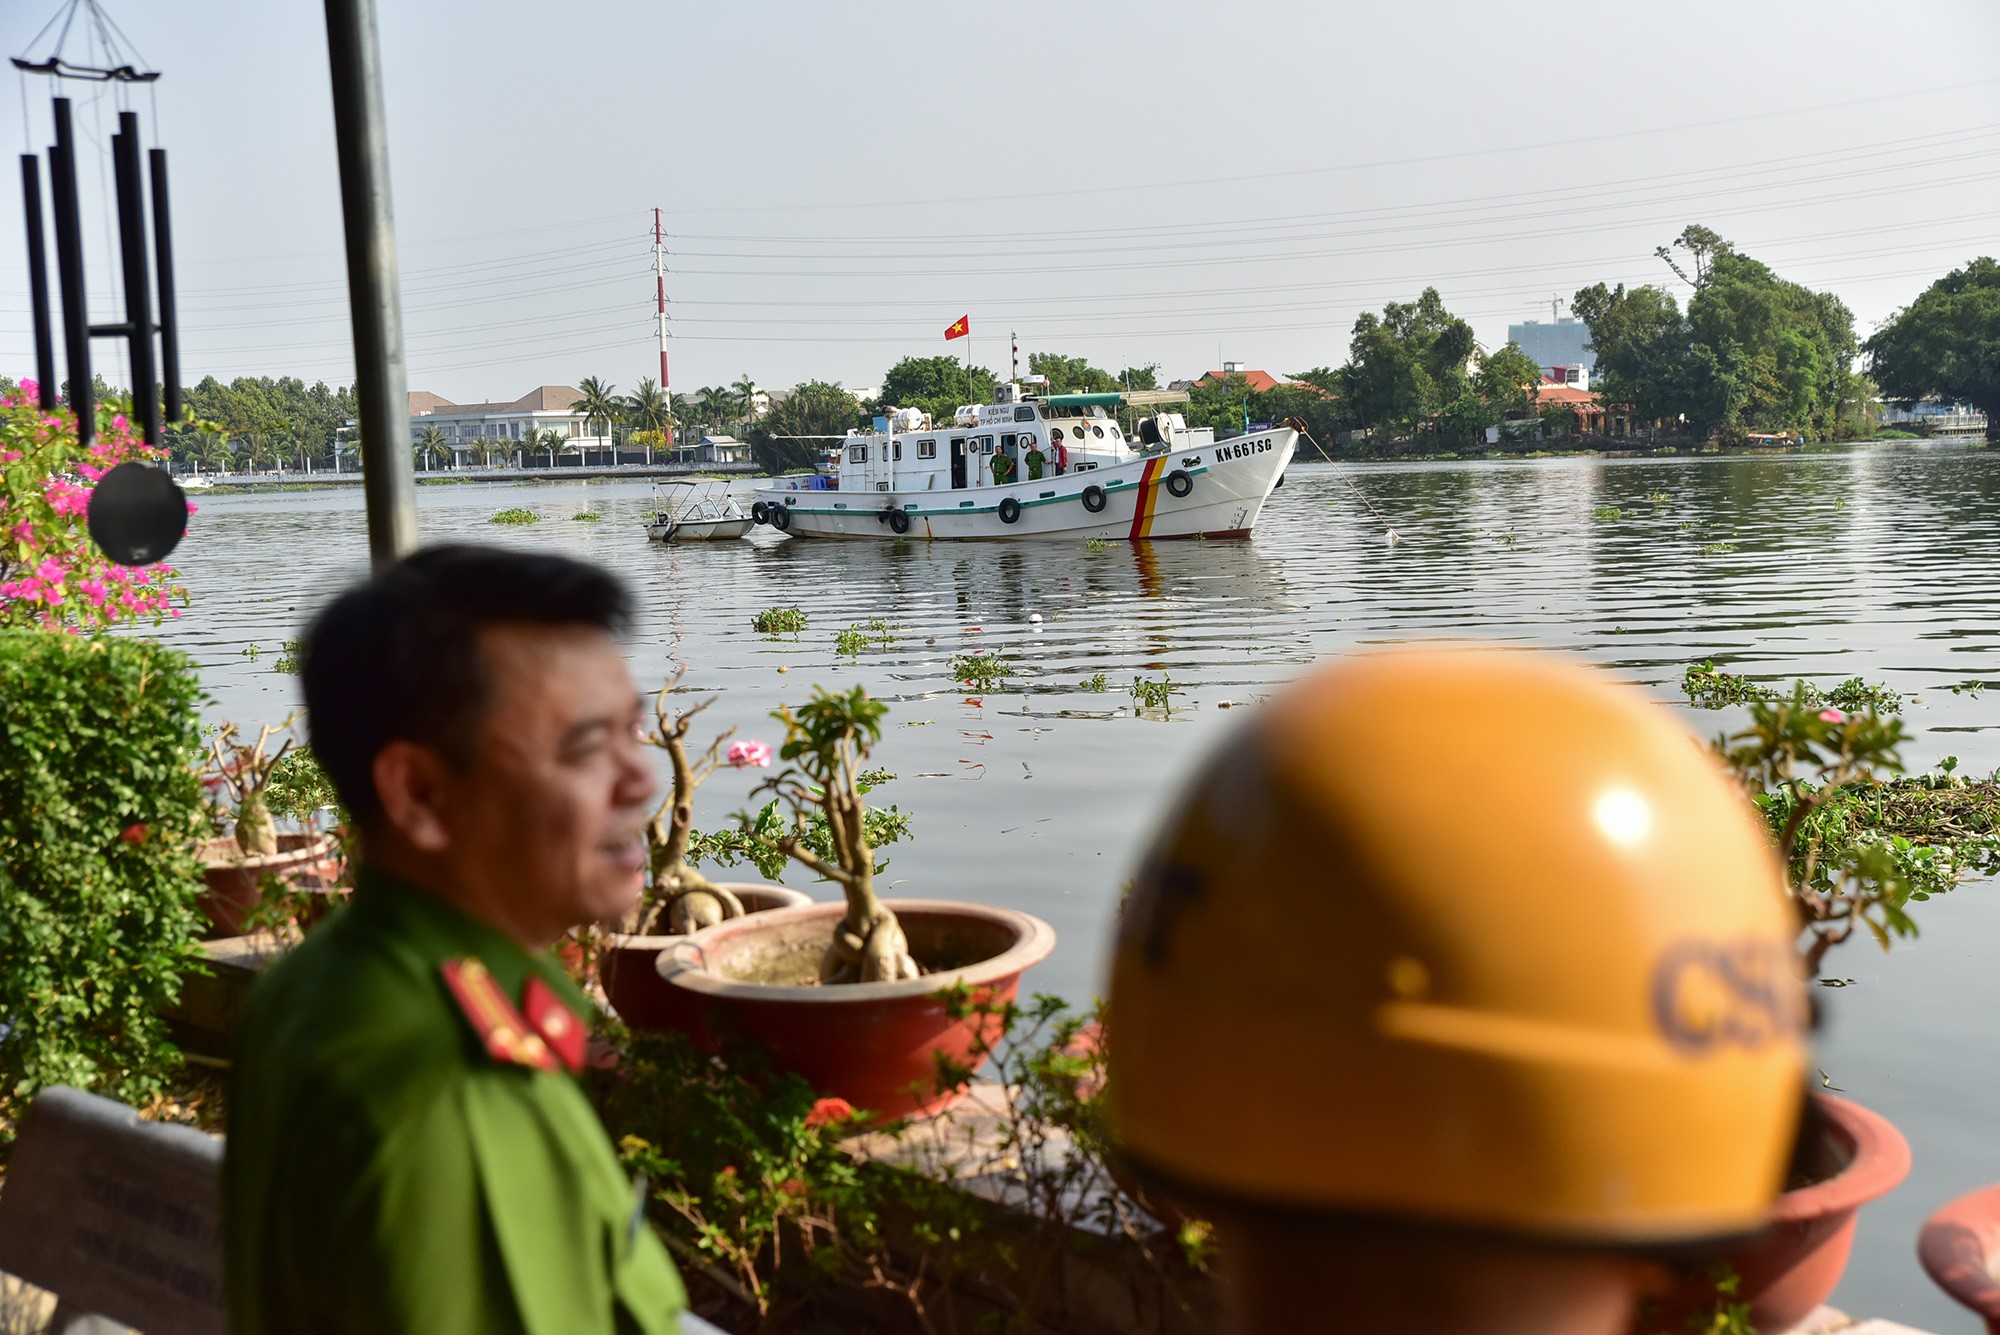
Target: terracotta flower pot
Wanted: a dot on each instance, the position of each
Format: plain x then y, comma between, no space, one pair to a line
634,987
872,1044
1957,1249
235,882
1851,1156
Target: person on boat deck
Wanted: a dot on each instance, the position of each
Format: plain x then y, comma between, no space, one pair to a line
1059,452
1003,469
1035,459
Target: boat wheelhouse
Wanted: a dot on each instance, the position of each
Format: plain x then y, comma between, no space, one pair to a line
1037,465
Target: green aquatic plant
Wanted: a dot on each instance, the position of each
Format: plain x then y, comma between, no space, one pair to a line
1096,681
1658,497
987,670
1155,694
1717,548
863,636
1607,514
515,515
1094,544
779,621
1709,687
290,655
586,517
1860,839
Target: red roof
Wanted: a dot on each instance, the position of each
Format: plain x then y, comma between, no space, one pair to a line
1259,381
1567,394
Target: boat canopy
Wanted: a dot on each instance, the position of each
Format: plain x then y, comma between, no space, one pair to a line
1136,398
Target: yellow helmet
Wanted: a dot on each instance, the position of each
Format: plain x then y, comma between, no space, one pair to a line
1469,936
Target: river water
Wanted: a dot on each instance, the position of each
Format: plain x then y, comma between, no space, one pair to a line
1873,561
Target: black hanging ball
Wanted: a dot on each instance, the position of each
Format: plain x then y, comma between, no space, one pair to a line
137,514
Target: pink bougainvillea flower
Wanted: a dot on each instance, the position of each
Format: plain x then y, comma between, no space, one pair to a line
118,422
749,754
133,834
30,389
826,1111
1832,716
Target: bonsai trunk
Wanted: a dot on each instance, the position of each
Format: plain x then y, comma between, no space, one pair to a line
868,946
688,900
256,835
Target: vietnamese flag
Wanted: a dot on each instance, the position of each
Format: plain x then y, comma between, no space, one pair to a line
959,329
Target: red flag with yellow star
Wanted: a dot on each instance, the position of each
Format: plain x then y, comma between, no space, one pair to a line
959,329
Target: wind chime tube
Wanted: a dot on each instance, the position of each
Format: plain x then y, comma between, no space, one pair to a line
361,136
163,264
69,273
38,282
138,283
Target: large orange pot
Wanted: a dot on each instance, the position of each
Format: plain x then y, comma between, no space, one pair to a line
1957,1248
1851,1156
873,1044
625,967
234,883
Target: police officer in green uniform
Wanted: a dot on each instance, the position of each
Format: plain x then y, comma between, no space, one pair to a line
408,1149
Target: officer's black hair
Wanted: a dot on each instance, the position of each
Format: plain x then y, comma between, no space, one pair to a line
396,657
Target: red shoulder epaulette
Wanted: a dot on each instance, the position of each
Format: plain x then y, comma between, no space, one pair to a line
508,1037
555,1022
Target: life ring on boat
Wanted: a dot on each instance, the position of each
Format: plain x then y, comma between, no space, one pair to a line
1180,482
899,521
779,517
1094,498
760,513
1010,509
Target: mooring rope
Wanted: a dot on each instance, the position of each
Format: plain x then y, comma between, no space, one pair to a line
1361,495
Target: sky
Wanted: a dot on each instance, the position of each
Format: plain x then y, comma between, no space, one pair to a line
1168,183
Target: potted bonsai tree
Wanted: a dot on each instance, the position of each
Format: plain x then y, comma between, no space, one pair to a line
1860,841
678,898
853,996
253,861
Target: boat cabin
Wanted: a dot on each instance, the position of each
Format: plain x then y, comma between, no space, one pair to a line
1057,433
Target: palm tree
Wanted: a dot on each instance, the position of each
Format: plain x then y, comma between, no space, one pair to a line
430,444
716,403
261,449
683,413
212,448
746,396
551,440
649,410
598,404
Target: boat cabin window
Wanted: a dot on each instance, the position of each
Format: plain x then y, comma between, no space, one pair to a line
927,449
896,451
857,454
1006,443
1024,414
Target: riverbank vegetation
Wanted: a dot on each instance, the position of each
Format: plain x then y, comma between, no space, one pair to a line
1744,355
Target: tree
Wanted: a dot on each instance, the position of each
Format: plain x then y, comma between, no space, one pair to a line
431,445
648,409
1140,377
938,385
1071,375
794,433
1644,349
553,441
746,396
716,405
598,403
1508,383
1946,343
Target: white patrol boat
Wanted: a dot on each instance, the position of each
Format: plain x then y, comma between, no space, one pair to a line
977,478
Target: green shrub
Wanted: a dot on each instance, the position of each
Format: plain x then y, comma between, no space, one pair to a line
99,810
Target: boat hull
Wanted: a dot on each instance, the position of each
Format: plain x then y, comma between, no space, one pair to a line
1205,491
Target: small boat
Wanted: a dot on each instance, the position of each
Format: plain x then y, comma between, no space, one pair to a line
1032,465
696,512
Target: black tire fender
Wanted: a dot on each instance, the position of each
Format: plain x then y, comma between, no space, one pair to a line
760,513
780,518
1010,510
899,521
1180,482
1094,499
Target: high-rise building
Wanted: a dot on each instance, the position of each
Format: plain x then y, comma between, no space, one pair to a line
1563,343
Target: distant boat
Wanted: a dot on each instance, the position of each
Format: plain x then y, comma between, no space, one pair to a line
909,478
696,512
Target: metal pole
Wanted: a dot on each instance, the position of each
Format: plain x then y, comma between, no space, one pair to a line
362,133
138,283
38,282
